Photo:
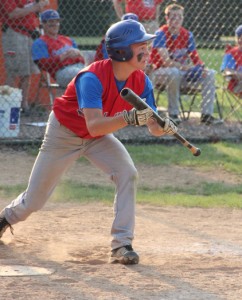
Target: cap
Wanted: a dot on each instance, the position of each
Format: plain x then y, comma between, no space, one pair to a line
49,14
129,16
238,31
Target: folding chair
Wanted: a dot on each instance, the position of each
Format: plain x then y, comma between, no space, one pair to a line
188,95
231,102
47,83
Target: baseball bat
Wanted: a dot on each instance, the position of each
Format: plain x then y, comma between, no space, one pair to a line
133,99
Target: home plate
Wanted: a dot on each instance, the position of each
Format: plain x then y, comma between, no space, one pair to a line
19,270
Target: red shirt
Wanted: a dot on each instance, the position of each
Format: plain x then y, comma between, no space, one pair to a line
237,55
176,47
54,47
144,9
65,107
30,21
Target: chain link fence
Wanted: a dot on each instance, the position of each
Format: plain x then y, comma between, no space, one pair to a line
213,24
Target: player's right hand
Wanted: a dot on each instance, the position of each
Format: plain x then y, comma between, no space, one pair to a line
169,127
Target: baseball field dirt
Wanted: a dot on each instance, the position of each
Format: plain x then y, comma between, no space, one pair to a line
185,253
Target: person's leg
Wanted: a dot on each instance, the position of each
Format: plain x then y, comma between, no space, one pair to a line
171,78
18,62
208,93
109,155
24,84
60,148
65,75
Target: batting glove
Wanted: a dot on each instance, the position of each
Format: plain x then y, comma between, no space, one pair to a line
169,127
137,117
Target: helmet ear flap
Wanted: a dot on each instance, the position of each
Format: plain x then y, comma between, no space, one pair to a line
120,54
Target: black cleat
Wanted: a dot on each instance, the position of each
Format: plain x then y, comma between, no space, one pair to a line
4,225
124,255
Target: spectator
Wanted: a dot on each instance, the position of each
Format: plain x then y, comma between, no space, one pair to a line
57,54
232,64
148,11
81,124
101,51
177,63
19,24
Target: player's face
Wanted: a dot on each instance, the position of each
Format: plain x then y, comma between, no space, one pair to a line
140,55
51,27
175,18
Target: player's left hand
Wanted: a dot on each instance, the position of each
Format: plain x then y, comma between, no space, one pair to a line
137,117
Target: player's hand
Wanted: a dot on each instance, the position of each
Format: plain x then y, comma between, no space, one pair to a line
169,127
137,117
41,5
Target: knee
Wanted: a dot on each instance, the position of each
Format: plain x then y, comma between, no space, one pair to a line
174,77
133,174
127,174
210,76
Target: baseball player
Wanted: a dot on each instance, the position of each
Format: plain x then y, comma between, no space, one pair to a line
55,53
82,123
232,64
177,63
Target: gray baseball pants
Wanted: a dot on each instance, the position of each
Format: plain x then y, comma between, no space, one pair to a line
174,79
60,148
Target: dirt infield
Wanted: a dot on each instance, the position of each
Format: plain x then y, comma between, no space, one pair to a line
189,254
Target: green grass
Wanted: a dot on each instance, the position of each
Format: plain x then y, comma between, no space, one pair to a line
214,158
220,155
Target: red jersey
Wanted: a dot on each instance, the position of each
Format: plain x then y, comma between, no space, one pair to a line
181,48
144,9
237,56
29,21
66,106
54,47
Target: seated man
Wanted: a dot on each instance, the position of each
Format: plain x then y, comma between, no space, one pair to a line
177,64
54,53
232,65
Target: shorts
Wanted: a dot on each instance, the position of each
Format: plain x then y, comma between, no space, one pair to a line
17,54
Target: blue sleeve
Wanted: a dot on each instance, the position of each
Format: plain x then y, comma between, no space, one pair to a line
39,50
191,42
148,94
160,40
228,62
74,44
89,91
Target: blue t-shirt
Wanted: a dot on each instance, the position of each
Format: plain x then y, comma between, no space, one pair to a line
89,91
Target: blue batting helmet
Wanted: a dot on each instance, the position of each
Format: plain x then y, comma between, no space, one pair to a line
130,16
121,35
49,14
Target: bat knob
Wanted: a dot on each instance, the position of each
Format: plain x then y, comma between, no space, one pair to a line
197,153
